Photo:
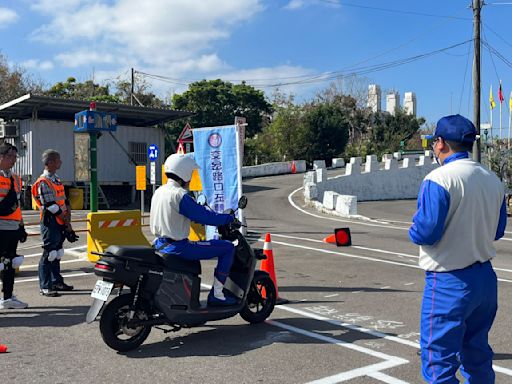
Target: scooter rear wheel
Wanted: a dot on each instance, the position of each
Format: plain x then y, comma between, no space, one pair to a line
261,299
114,329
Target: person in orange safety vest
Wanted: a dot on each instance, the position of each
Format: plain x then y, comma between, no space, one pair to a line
12,229
55,214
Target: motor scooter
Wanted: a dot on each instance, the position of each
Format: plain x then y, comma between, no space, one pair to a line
151,295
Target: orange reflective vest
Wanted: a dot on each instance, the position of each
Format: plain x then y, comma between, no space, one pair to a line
5,186
58,191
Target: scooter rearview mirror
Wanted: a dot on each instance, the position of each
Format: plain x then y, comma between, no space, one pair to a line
242,202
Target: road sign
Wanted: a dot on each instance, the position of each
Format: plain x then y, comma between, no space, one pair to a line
181,150
140,177
152,173
186,135
153,152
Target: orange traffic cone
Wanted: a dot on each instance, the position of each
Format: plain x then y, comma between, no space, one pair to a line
294,167
3,348
341,237
267,265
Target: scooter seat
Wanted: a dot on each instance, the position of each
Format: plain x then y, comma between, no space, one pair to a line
136,253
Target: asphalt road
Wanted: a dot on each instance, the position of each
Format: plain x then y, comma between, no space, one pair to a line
353,313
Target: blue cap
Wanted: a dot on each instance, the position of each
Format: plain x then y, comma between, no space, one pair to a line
455,128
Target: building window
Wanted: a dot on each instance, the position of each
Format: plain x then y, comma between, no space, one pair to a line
138,152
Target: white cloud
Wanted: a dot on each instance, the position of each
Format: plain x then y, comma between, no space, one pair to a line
298,4
7,16
77,58
295,4
34,64
150,33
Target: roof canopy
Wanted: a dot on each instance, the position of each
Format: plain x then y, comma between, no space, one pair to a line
52,108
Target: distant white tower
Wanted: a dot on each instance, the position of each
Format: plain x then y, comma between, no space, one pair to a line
374,98
410,103
392,101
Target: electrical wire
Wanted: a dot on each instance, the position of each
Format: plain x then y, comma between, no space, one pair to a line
465,75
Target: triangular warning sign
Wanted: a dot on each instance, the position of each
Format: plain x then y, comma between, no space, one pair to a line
186,135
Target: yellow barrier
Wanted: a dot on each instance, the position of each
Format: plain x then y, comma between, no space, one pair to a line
113,228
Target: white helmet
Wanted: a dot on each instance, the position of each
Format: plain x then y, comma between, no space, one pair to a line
181,165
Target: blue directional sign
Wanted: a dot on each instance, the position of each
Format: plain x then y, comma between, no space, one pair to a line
152,152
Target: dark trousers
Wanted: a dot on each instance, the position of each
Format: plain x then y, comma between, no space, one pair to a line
53,238
8,245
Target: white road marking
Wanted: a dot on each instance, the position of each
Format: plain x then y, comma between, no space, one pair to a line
23,267
389,361
409,283
333,295
386,287
65,249
359,222
80,274
356,256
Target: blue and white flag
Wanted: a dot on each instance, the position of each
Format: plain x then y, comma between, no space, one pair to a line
216,151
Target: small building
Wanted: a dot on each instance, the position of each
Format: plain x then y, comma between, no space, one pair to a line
410,103
392,102
374,98
37,123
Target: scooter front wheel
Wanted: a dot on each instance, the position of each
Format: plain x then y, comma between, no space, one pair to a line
261,299
114,325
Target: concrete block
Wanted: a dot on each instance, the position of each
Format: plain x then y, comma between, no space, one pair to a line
387,156
397,155
421,160
346,204
310,191
371,163
338,163
330,199
407,162
390,164
321,175
353,168
319,164
309,177
356,160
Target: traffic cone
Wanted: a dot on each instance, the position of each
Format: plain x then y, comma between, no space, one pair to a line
341,237
294,167
267,265
3,348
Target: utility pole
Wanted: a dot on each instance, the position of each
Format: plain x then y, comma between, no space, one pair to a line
133,87
477,6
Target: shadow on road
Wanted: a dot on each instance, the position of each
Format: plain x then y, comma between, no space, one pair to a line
54,316
233,340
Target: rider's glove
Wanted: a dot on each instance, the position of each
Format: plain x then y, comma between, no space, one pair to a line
71,236
22,234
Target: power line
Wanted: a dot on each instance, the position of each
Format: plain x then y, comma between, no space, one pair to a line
344,4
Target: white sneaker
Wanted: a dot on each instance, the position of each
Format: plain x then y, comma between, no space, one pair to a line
12,303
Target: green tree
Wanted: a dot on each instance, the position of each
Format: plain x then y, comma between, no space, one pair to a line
327,131
217,102
387,131
88,90
142,92
15,82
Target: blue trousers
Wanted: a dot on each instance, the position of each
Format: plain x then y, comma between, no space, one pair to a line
223,250
457,313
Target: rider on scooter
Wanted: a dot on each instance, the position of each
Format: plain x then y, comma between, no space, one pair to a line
172,209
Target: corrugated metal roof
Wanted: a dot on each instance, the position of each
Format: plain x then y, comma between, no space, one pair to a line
53,108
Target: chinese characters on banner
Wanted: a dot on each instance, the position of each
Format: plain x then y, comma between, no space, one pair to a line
217,151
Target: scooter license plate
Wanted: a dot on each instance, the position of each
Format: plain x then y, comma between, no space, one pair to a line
102,290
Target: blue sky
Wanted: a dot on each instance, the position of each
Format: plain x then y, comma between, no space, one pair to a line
296,45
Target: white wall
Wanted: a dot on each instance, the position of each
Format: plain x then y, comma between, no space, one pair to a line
397,180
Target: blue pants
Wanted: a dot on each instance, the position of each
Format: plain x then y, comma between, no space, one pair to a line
53,239
457,313
223,250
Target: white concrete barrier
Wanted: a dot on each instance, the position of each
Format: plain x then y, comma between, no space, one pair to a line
270,169
346,205
338,163
397,180
319,164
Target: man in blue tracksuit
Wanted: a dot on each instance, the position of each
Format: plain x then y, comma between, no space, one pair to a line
461,211
172,209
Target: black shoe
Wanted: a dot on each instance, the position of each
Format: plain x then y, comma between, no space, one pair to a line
62,287
48,293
